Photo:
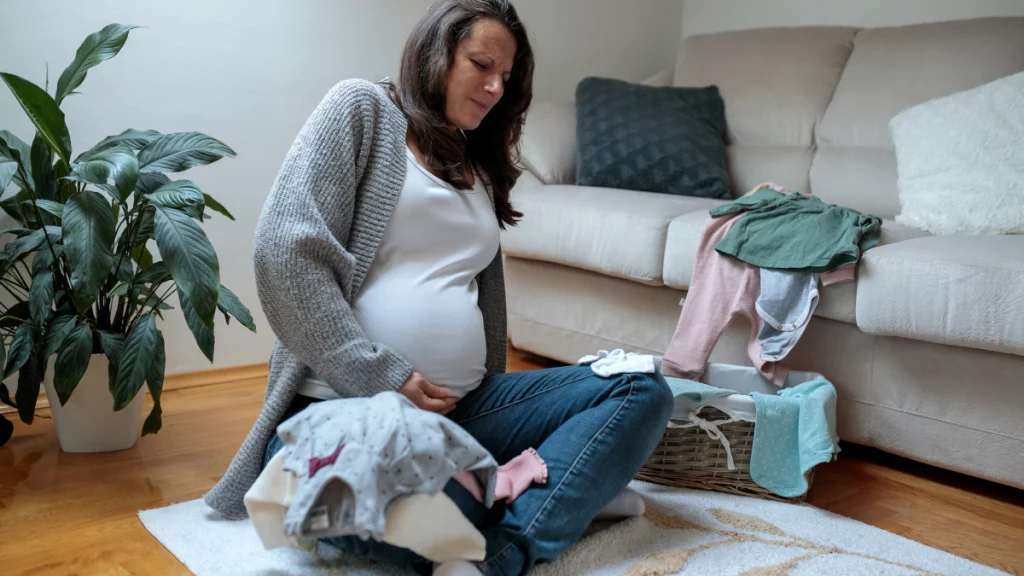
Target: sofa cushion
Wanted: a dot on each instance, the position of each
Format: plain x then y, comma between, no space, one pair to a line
892,69
961,161
616,232
548,147
790,72
957,290
837,302
656,139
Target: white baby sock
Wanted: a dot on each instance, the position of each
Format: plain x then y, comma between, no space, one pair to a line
606,363
636,363
456,568
626,505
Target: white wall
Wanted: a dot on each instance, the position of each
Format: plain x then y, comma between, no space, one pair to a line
706,16
249,72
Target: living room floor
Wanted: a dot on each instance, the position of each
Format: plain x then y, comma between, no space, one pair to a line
66,514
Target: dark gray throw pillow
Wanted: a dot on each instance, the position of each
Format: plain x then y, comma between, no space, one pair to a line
657,139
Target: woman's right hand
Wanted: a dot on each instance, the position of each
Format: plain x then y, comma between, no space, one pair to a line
427,396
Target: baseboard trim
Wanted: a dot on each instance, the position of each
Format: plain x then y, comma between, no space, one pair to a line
216,376
185,380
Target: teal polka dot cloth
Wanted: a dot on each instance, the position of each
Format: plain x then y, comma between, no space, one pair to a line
794,431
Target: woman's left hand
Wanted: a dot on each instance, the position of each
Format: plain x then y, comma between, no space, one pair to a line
427,396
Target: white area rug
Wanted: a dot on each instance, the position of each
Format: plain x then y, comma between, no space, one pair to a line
683,532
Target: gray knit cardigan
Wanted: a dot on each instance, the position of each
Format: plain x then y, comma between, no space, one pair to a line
316,238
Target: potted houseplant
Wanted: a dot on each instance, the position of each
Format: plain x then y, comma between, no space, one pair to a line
78,283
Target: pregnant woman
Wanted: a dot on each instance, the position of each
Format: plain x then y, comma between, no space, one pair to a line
379,268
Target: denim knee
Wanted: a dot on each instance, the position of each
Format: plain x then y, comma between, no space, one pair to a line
654,395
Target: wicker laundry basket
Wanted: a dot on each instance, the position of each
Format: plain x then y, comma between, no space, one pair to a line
691,457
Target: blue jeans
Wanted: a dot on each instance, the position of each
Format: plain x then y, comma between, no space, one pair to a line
594,433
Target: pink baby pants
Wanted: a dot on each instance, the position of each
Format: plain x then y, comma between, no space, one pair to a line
721,288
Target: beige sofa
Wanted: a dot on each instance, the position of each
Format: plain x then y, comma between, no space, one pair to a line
926,349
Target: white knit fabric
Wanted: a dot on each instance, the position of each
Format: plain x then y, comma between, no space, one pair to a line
960,161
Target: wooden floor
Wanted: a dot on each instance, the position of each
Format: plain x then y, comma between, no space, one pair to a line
67,514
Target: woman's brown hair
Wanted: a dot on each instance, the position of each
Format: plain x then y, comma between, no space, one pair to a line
492,149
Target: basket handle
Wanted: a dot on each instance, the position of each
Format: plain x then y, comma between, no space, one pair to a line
711,429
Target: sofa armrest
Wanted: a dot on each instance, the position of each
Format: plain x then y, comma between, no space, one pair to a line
549,142
663,78
956,290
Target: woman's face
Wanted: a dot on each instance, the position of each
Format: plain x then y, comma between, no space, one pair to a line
479,70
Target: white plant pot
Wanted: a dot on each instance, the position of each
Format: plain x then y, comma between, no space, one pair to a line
88,423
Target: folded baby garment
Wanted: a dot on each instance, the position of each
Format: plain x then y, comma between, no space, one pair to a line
353,457
794,431
430,525
690,396
786,304
796,232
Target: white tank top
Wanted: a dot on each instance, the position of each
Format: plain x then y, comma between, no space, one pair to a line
420,293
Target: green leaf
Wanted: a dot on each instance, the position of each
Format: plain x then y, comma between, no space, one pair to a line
21,349
203,333
139,349
44,113
142,256
44,259
125,272
12,205
42,170
151,302
120,289
191,259
5,395
157,273
143,233
40,296
181,151
113,347
8,168
16,315
59,328
88,241
17,249
29,377
195,211
72,361
150,182
147,226
177,194
96,48
134,139
55,208
118,163
155,382
216,206
20,152
65,187
230,304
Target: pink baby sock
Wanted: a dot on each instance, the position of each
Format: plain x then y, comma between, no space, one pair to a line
514,477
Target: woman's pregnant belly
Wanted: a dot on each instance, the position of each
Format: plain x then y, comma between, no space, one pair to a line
434,323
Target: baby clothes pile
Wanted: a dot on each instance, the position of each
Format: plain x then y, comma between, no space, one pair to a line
375,468
763,257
